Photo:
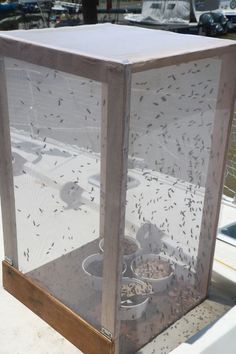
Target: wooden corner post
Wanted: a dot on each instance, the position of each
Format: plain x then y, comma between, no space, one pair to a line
114,158
6,176
216,169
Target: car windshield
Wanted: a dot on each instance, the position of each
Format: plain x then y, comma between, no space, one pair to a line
229,230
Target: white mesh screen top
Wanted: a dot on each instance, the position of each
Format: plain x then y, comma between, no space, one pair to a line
132,44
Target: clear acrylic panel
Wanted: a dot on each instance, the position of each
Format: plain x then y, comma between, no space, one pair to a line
172,118
55,121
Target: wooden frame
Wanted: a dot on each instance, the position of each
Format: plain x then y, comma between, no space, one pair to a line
116,91
57,315
90,68
179,59
6,180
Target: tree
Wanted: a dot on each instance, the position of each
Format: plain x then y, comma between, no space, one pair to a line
89,9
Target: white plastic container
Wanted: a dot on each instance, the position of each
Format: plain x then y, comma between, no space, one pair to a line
160,284
133,312
129,239
95,280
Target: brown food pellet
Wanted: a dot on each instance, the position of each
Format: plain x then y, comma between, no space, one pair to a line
154,269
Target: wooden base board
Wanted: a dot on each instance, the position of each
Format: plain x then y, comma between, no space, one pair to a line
56,314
